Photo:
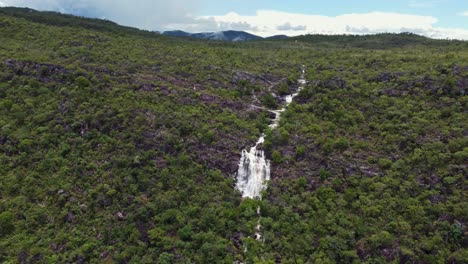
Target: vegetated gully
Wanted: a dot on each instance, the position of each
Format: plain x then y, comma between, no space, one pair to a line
254,168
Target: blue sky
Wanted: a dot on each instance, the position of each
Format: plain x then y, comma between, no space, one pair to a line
446,10
432,18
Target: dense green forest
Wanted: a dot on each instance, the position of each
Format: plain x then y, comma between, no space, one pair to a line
122,146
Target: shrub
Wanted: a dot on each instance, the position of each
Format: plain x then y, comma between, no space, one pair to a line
385,163
341,144
276,156
300,151
6,223
269,101
324,174
82,82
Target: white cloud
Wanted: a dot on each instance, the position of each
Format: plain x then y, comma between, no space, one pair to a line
181,14
145,14
464,13
2,4
287,26
269,22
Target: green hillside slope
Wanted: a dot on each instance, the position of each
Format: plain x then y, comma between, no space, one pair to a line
122,146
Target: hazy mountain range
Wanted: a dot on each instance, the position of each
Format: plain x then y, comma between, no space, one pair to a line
230,35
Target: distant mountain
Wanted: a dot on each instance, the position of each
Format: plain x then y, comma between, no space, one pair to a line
230,35
278,37
177,33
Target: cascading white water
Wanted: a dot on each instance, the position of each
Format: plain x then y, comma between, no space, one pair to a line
288,100
253,172
254,168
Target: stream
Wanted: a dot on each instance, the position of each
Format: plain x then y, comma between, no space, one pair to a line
254,168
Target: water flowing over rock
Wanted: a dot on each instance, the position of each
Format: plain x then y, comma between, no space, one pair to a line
254,171
288,100
254,168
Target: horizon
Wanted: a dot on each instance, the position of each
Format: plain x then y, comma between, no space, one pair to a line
311,34
437,19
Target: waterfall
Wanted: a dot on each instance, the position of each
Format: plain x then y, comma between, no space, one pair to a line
254,168
254,171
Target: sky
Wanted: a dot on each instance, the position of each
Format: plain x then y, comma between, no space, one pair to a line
432,18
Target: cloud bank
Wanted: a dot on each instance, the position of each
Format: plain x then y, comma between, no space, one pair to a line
269,22
182,15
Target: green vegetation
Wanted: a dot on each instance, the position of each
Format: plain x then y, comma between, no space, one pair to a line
119,145
382,135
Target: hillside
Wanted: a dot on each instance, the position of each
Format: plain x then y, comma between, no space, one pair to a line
120,145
